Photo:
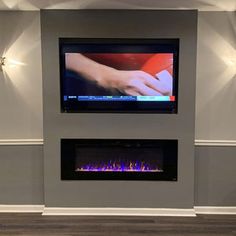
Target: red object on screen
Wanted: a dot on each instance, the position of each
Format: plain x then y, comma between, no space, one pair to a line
151,63
158,63
121,61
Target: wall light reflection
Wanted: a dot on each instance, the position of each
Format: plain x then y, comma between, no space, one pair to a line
14,63
7,64
230,61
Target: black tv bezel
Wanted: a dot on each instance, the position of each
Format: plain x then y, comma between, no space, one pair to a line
119,106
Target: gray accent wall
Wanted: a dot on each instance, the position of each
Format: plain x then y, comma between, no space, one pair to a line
215,176
21,171
119,24
22,167
21,179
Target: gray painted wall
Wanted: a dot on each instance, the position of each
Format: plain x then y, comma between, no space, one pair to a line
131,24
21,180
21,167
21,84
216,76
215,176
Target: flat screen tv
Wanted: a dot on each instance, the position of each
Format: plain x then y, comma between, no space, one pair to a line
119,75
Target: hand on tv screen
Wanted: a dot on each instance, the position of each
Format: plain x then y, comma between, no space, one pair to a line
165,82
130,82
134,83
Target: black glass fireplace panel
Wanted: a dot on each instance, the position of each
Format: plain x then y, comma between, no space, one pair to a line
119,159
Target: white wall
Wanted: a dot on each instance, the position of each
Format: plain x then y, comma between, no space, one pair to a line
216,76
21,84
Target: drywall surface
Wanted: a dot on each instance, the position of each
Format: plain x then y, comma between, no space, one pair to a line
216,76
119,24
215,182
21,79
21,169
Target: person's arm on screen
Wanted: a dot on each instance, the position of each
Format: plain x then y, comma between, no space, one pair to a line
128,82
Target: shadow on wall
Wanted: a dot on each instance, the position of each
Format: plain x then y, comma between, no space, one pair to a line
216,78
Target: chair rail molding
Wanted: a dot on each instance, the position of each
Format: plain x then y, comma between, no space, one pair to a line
21,208
15,142
222,143
197,142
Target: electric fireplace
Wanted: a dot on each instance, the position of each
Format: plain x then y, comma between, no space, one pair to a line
119,159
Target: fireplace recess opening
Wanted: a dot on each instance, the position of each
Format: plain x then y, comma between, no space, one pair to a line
119,159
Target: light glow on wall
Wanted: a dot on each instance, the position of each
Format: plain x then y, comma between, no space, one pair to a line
22,68
19,5
216,76
221,49
11,63
230,60
21,79
223,5
18,54
6,64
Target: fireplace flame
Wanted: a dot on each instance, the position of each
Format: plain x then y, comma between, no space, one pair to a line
120,166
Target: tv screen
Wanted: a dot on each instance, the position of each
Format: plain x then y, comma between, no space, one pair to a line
119,75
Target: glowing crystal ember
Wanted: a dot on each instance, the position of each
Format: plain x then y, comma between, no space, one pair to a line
120,166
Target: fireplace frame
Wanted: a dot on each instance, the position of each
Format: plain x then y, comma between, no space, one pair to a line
170,160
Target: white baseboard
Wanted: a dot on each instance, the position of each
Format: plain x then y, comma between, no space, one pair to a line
213,210
119,211
21,208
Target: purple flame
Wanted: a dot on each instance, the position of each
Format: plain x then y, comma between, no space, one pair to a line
120,166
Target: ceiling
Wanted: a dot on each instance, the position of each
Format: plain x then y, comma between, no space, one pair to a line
202,5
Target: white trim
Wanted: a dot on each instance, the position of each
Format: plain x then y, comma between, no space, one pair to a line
215,210
7,142
119,211
224,143
198,142
21,208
